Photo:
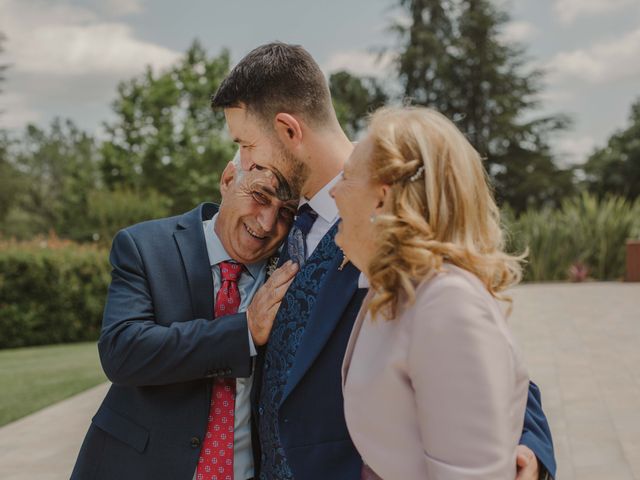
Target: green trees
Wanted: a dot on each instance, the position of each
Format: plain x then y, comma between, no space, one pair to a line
354,98
165,137
451,58
50,173
163,154
615,169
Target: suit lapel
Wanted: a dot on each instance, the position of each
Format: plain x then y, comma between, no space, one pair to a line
357,326
336,291
193,250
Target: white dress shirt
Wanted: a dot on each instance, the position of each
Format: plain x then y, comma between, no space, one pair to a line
327,211
250,281
328,215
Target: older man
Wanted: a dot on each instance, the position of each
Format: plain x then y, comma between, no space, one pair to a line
173,340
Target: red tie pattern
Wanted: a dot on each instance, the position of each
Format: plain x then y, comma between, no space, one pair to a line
216,456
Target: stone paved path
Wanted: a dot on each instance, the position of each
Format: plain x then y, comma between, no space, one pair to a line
582,346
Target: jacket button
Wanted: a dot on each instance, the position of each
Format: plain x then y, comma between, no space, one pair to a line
260,410
195,442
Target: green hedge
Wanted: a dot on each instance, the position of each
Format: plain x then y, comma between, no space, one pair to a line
51,292
585,230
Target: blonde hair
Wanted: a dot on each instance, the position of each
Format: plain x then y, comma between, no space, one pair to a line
441,209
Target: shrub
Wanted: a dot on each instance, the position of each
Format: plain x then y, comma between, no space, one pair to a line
51,292
585,231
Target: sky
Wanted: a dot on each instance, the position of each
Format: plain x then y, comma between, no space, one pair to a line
66,57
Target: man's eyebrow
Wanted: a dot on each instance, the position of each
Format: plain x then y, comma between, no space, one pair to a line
284,190
266,189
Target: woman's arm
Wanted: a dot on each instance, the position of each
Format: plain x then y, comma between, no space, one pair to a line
462,369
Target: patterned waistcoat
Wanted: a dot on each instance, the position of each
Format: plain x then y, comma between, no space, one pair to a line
288,329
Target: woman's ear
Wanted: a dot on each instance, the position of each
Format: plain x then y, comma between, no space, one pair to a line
288,129
384,199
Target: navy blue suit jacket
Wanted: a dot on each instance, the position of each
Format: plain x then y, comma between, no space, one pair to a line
312,425
161,350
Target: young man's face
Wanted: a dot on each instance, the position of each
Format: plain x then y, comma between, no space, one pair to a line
259,146
256,213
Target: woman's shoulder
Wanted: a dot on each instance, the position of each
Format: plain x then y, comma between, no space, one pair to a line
454,279
455,291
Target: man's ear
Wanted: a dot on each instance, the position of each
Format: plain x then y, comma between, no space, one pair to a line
288,129
228,177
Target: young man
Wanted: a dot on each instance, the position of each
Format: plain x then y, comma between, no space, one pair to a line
279,111
173,340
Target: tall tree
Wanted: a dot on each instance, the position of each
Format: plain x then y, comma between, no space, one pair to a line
354,98
58,170
615,168
165,137
452,58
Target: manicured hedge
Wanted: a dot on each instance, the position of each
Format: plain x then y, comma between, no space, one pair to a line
51,292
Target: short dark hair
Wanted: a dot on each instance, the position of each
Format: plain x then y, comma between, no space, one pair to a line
277,77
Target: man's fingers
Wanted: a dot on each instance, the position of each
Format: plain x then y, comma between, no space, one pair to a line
277,294
283,274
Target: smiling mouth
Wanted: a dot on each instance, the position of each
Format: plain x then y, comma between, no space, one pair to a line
252,233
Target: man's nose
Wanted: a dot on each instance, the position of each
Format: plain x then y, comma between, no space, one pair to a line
268,218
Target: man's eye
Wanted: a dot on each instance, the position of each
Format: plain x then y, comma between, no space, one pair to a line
260,198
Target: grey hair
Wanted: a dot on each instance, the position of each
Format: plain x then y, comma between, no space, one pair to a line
238,164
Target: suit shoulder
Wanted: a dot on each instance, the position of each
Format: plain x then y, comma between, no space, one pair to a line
153,227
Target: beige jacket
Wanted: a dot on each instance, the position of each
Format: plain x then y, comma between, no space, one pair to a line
440,392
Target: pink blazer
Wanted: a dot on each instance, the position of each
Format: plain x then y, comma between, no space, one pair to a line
439,392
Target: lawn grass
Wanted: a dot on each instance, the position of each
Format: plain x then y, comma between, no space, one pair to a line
34,377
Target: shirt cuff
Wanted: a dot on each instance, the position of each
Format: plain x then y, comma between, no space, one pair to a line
252,348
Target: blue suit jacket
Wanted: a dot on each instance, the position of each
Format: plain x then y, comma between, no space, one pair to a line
161,350
312,425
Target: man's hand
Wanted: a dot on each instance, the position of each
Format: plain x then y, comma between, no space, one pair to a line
527,464
264,306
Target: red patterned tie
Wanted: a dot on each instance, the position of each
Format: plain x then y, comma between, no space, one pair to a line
216,456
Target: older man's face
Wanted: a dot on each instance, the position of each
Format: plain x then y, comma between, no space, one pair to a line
256,213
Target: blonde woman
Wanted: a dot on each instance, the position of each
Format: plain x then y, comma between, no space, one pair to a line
433,384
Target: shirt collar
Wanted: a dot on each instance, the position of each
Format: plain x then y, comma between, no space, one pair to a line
218,254
322,203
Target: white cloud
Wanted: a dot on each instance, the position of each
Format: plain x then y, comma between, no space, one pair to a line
573,149
569,10
358,62
61,39
67,59
518,31
122,7
604,62
15,111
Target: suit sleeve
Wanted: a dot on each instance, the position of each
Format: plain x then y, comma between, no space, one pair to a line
135,350
536,433
461,368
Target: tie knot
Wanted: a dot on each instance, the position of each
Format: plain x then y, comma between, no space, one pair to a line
305,218
230,271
